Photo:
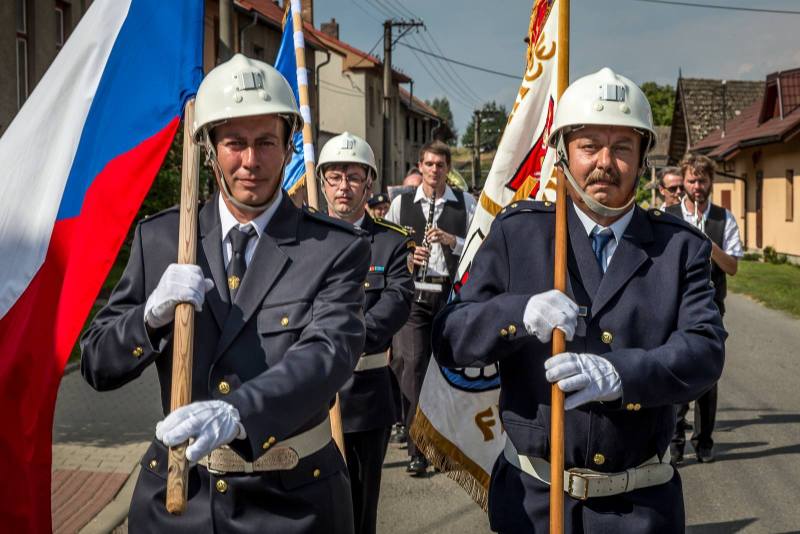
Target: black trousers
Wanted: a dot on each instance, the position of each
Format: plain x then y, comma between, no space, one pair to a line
365,452
413,353
705,416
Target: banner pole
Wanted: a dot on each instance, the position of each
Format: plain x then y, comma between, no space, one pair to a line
311,184
560,283
182,351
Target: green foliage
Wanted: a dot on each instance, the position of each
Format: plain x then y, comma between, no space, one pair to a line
442,107
493,122
771,256
776,286
751,256
662,100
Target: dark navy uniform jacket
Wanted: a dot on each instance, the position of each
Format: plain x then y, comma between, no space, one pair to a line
652,315
279,354
366,399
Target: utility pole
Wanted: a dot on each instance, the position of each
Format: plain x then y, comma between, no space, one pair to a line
388,25
476,149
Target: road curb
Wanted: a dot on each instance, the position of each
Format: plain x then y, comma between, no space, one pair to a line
114,514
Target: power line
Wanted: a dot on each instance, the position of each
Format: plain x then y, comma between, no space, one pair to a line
436,81
455,85
463,64
715,6
364,10
428,38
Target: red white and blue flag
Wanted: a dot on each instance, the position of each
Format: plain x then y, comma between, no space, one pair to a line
78,160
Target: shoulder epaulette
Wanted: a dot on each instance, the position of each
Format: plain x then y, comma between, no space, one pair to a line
662,216
526,206
317,215
397,228
168,211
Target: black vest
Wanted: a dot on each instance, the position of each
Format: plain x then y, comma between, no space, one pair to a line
453,220
715,230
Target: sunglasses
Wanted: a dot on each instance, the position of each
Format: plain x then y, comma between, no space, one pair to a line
674,188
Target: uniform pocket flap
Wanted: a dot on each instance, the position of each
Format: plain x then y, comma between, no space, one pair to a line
284,317
375,281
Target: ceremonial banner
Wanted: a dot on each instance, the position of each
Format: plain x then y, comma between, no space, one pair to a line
294,175
78,160
457,424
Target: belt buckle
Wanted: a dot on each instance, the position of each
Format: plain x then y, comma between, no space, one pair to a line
585,479
210,463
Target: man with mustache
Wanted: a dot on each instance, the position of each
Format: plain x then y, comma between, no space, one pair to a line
720,226
347,171
628,361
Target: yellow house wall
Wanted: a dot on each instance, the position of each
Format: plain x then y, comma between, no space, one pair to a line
773,160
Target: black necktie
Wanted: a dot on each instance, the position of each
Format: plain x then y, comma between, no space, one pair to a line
237,266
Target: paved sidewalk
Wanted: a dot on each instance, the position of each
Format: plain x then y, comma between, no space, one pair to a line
98,439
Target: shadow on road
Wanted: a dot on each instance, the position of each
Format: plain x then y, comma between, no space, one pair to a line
441,522
724,527
768,419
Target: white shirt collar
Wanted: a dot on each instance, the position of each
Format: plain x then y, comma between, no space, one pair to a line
360,222
228,221
448,196
618,227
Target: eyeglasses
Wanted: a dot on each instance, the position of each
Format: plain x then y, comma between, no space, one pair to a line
334,179
674,188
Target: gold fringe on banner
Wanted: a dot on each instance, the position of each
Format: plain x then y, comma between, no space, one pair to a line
449,459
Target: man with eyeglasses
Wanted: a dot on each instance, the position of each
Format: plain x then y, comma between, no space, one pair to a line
670,184
452,212
347,169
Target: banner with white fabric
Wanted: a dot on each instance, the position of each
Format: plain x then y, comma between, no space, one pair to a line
457,424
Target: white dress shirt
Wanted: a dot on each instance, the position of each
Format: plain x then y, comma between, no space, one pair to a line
437,265
731,243
618,228
228,221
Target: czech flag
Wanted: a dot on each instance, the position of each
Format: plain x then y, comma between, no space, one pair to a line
78,160
286,64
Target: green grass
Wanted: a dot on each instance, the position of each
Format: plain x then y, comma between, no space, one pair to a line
775,286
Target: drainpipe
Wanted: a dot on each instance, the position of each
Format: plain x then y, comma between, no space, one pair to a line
316,79
744,211
724,105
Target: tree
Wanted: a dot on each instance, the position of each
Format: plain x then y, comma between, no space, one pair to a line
442,108
662,100
493,122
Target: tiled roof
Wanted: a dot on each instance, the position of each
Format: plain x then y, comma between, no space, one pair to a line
356,59
274,14
406,98
760,123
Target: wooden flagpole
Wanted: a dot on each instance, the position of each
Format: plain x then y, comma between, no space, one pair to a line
311,184
560,283
181,394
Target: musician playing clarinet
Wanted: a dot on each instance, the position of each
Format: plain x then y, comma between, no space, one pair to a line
439,217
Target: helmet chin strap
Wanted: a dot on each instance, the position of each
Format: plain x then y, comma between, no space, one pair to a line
252,209
598,208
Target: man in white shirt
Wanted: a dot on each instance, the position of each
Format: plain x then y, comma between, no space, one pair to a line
726,248
435,260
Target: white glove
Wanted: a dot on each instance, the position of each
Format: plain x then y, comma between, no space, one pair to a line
591,377
179,283
548,310
212,423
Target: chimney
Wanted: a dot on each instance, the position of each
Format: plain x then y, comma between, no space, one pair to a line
308,11
330,28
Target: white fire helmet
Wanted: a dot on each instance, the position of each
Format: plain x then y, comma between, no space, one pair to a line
347,148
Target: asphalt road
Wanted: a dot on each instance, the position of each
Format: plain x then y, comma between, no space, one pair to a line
754,485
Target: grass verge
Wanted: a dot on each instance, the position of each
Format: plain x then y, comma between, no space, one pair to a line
775,286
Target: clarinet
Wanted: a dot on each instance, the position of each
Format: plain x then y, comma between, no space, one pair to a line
419,281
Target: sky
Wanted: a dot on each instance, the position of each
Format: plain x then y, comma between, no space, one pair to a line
643,41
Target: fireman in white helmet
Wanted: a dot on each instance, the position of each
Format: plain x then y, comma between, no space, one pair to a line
278,329
347,172
627,360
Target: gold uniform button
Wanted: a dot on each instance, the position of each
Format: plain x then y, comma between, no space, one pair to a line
366,284
512,329
269,443
514,205
599,459
657,213
503,332
607,337
547,203
233,282
284,321
224,387
153,464
222,486
630,407
137,352
317,473
637,407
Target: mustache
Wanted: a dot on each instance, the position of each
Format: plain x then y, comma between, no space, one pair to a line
599,175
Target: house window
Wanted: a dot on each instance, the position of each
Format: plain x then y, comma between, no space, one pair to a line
408,127
726,199
22,52
790,195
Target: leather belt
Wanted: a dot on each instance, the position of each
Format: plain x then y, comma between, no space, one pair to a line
372,361
582,483
282,456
